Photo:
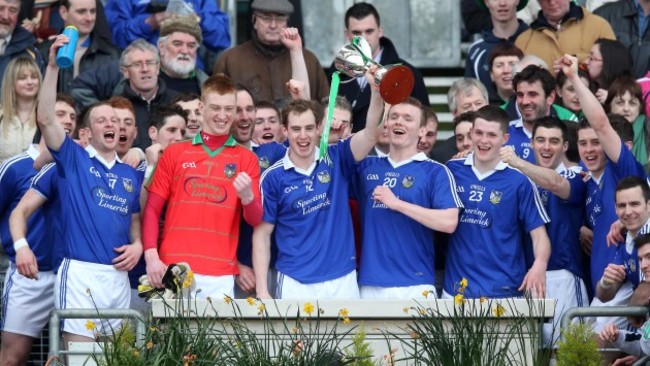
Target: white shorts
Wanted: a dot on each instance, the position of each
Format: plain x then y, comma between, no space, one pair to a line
568,291
27,303
406,292
622,298
84,285
215,287
344,287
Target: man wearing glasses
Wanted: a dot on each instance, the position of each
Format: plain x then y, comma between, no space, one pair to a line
264,63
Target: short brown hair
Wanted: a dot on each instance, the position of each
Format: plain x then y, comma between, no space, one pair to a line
417,104
121,103
300,106
492,113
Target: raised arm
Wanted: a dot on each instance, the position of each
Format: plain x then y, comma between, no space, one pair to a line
262,257
363,141
292,41
593,110
53,133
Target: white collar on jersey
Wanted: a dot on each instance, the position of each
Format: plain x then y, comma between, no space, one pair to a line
380,154
469,160
420,156
288,164
33,152
94,154
519,123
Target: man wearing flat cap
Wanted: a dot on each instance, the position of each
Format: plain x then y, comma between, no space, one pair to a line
263,64
505,29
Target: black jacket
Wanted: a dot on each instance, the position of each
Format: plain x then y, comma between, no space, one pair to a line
21,44
624,19
360,99
99,52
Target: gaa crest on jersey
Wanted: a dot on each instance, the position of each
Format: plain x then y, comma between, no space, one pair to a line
264,162
324,176
408,181
631,264
544,196
128,185
230,170
495,197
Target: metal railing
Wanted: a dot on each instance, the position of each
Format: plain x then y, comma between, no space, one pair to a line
607,311
57,315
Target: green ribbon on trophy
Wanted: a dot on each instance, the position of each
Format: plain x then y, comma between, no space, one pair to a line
395,82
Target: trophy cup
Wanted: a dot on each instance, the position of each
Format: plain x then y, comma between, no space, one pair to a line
395,82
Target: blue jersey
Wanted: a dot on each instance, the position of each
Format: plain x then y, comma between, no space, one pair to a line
16,176
97,203
601,208
45,184
488,245
392,237
567,217
520,140
313,227
267,155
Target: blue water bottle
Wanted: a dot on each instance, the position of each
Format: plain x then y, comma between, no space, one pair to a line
65,55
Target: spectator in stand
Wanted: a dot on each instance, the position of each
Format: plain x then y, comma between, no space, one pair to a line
624,98
15,41
266,62
362,19
92,49
628,19
566,94
505,29
464,95
141,85
502,61
191,104
563,27
608,60
133,19
20,86
268,125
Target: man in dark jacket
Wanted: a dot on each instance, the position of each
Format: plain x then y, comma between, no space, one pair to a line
92,50
624,16
15,41
362,19
505,29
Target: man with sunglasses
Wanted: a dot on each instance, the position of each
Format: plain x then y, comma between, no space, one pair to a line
264,63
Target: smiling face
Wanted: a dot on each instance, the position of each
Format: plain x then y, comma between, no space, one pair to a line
549,147
532,101
426,142
487,139
463,137
632,209
66,116
403,125
27,84
569,97
267,126
591,152
127,130
194,109
501,73
219,112
302,132
242,128
626,105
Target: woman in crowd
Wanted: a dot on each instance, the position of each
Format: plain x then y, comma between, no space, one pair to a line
20,86
607,61
624,97
566,95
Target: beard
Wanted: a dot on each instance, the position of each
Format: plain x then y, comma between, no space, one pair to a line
181,64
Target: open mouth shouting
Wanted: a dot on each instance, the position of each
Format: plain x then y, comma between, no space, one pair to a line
109,136
268,137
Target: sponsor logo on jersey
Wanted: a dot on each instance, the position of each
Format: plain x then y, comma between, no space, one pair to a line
197,187
324,176
408,181
189,165
230,170
264,162
126,182
495,197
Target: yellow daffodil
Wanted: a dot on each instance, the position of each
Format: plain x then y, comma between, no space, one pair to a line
425,293
149,345
189,277
250,300
463,284
136,353
227,299
483,299
344,312
499,311
346,320
90,325
405,310
308,308
261,307
459,299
